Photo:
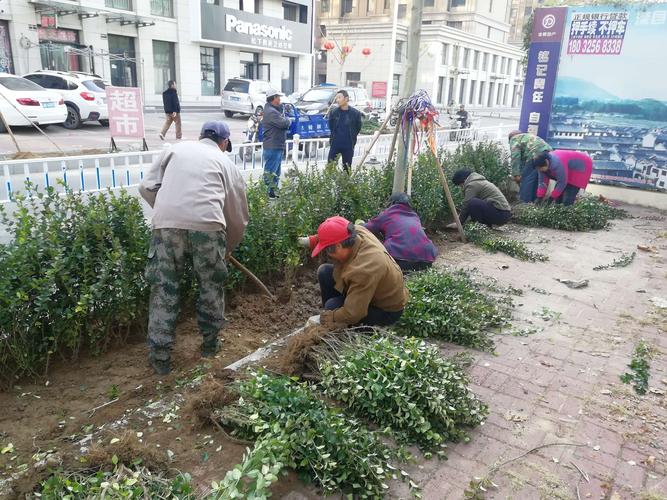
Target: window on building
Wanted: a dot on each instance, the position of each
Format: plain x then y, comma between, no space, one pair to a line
455,24
396,85
482,85
485,62
164,8
370,6
528,11
346,7
462,89
473,84
398,53
209,64
502,64
494,64
323,30
352,78
450,93
164,64
457,3
303,14
429,3
290,12
466,58
441,89
475,62
211,2
488,32
119,4
490,5
402,10
324,6
387,4
445,53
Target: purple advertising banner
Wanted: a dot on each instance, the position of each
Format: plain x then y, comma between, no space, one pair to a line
542,69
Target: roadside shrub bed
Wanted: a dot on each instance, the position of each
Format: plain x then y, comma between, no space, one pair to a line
73,277
403,384
586,214
451,306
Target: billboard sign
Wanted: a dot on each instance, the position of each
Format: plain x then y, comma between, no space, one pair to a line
126,112
604,91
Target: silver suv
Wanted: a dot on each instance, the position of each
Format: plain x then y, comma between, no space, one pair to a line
244,96
84,95
318,99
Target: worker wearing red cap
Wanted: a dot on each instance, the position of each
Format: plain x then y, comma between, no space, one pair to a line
364,285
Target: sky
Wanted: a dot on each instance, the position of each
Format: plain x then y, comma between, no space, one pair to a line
638,72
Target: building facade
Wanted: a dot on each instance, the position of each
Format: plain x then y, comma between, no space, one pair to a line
464,55
145,43
520,12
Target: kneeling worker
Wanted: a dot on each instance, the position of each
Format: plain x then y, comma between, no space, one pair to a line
483,202
364,286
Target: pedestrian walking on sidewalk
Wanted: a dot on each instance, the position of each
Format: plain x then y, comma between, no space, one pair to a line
275,126
344,125
172,108
200,213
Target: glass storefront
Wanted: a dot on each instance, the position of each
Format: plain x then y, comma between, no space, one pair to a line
209,60
58,49
6,63
123,63
164,64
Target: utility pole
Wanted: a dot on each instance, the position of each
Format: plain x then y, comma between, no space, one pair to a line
412,63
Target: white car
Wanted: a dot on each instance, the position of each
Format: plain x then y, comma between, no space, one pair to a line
84,95
23,102
244,96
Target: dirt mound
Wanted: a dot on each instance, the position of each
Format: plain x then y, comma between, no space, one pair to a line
210,396
127,450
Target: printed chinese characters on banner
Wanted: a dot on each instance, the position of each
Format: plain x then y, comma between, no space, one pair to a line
126,112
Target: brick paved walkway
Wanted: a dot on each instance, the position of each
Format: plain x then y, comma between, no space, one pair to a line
561,384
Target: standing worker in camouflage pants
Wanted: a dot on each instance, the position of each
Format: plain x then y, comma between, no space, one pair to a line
524,149
200,212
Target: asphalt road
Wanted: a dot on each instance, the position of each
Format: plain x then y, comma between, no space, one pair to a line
93,136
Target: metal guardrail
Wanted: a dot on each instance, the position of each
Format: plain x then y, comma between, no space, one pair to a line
92,173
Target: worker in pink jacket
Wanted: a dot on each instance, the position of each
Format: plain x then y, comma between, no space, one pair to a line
570,169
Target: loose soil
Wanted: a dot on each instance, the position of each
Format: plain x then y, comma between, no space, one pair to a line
56,413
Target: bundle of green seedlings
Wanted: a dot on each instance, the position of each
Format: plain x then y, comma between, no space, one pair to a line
639,368
404,385
294,428
484,237
587,214
121,482
623,261
451,306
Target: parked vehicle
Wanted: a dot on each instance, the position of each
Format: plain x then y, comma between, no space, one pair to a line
320,98
38,104
84,95
243,96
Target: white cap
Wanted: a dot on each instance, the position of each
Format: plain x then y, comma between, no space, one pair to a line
271,92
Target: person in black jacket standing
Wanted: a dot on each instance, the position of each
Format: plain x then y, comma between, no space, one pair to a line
172,108
274,126
344,124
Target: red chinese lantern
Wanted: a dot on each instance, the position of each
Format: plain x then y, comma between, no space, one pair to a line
328,45
347,49
366,52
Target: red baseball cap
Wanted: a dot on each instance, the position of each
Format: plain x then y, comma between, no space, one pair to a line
331,231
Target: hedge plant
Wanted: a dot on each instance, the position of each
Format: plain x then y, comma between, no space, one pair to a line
586,214
73,277
451,306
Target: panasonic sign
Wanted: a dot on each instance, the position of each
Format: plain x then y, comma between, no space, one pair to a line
256,29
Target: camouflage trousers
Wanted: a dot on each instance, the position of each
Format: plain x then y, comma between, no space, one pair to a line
170,251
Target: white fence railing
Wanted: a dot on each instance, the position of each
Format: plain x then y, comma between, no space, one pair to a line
90,173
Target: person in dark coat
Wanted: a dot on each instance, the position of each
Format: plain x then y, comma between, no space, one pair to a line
172,108
345,125
482,200
275,126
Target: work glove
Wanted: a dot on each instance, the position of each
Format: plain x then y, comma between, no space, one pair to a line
308,241
360,222
327,321
313,321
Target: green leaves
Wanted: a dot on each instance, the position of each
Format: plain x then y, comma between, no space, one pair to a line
72,276
587,214
484,237
623,261
639,368
451,306
405,385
